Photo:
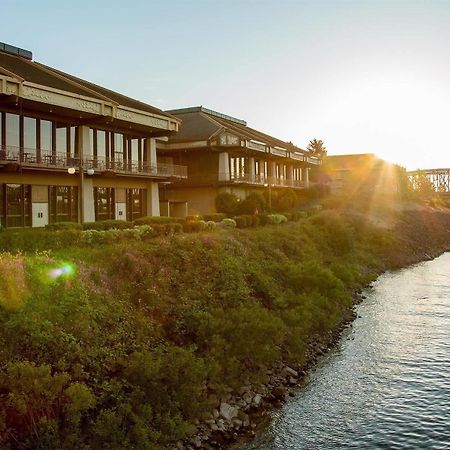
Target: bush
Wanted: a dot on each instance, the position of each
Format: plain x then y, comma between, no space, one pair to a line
285,200
241,221
215,217
228,223
31,240
276,219
210,225
254,202
194,217
165,229
150,220
194,226
64,226
107,225
226,203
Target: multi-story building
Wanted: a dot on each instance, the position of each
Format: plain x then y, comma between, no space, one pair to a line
223,154
74,151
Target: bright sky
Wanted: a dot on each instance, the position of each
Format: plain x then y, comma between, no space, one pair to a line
363,76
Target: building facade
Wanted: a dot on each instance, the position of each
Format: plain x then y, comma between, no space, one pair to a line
74,151
223,154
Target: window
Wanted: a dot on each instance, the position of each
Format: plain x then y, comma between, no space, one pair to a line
29,135
105,207
12,130
136,199
237,167
61,140
15,204
63,205
46,136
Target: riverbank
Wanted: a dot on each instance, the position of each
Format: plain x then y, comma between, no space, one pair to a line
421,233
183,341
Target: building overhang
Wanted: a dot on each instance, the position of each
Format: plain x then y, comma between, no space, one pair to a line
90,110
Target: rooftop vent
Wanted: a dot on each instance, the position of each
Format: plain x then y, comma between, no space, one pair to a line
16,51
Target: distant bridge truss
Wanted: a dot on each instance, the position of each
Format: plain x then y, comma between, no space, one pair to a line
439,179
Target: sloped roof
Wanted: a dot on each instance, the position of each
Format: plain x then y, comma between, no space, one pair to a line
41,74
201,124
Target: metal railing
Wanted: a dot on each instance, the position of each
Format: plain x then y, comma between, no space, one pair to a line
262,179
57,160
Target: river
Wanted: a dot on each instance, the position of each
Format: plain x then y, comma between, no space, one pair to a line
387,383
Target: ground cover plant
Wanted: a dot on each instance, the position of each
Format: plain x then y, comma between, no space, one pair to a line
125,343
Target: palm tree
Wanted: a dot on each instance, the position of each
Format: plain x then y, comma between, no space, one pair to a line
316,147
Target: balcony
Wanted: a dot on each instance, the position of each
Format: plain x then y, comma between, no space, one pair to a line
45,159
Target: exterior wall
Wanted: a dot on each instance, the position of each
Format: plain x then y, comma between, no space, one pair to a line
199,200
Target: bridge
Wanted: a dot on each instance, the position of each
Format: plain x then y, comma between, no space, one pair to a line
439,179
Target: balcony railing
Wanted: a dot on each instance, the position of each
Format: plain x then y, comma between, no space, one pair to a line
263,180
48,159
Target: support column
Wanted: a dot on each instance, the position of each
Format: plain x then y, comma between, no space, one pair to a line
272,172
86,186
150,149
152,199
224,167
307,177
251,169
87,194
290,174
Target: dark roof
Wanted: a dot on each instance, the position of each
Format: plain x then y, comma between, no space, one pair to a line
47,76
201,124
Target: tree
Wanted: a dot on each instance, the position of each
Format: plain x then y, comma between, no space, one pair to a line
317,147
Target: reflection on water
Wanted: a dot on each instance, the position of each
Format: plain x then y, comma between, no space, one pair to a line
387,385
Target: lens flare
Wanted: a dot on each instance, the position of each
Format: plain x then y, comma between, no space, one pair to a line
65,270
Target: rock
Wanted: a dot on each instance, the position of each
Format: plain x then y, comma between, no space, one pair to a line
237,423
196,442
257,400
216,414
180,445
279,392
290,371
293,381
227,411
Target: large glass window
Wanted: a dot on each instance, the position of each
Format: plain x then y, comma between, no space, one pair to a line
29,137
61,140
16,205
12,130
237,167
63,204
101,144
136,199
105,207
46,136
118,147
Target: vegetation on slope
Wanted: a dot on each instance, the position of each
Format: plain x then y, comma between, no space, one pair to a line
123,346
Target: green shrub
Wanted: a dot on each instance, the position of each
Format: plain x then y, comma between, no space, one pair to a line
194,217
64,226
194,226
150,220
215,217
166,229
31,240
109,224
241,221
210,225
228,223
226,203
276,219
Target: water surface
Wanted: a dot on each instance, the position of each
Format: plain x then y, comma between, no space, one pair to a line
387,384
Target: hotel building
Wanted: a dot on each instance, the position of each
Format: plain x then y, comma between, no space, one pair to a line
74,151
223,154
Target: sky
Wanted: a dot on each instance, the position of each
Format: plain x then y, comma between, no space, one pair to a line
363,76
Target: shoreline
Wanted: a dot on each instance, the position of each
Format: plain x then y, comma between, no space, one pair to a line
285,380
